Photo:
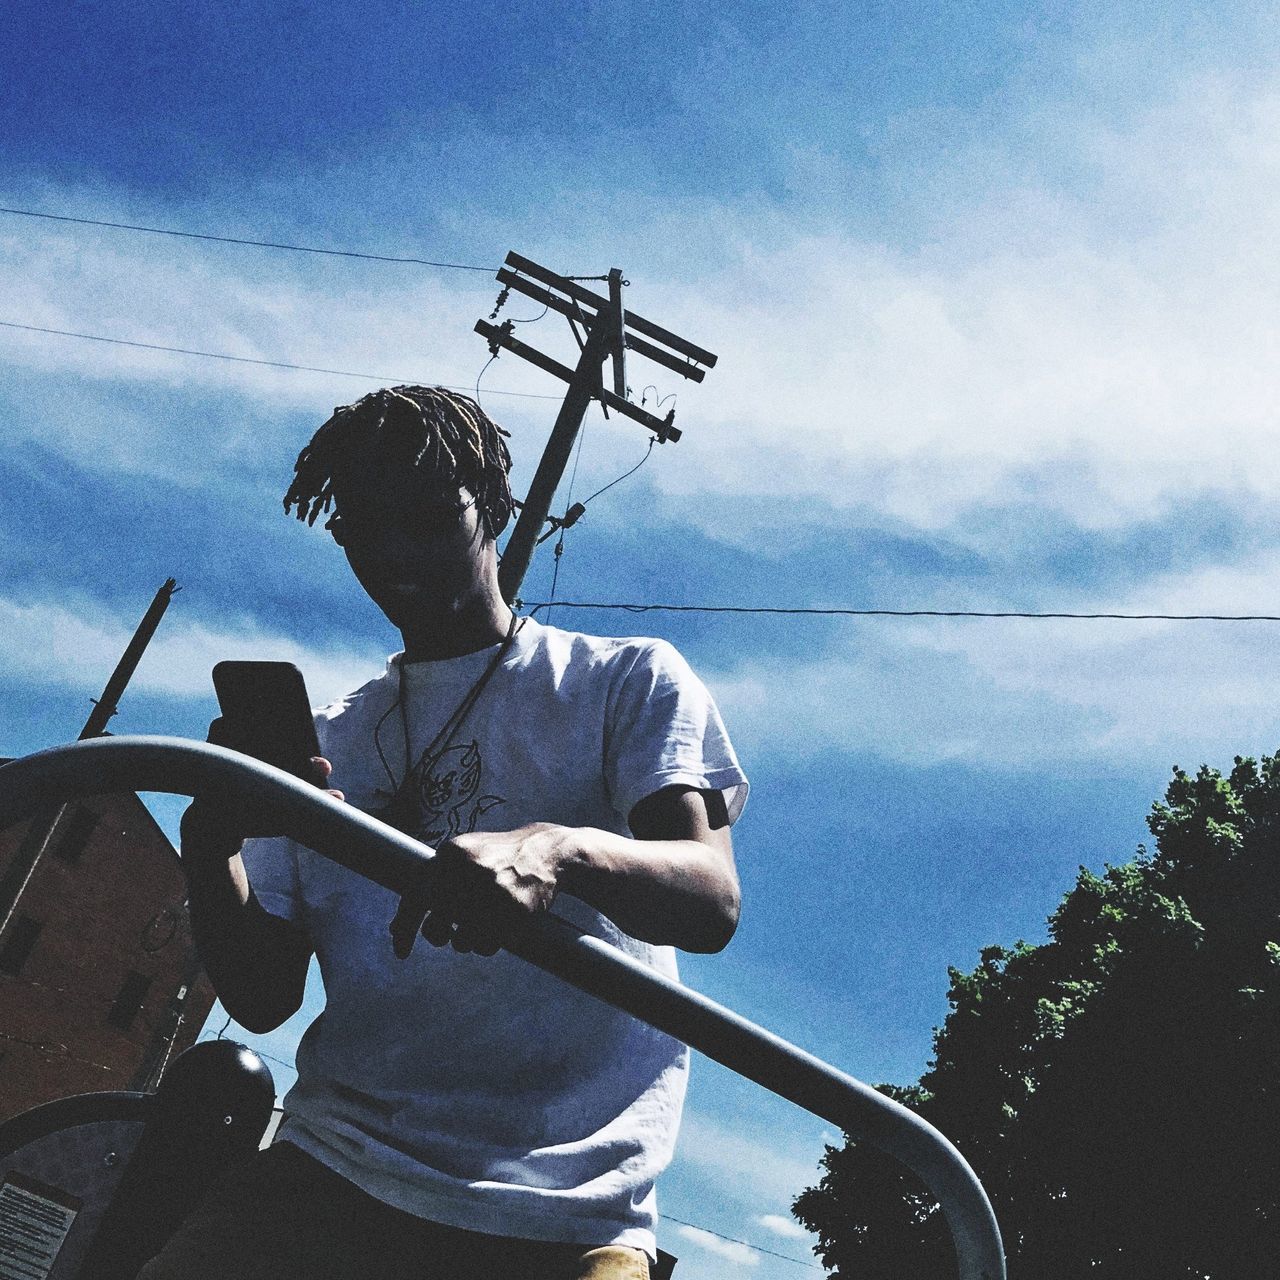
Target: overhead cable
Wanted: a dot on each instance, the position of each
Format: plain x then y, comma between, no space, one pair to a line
533,607
257,244
786,1257
262,1053
605,488
264,244
271,364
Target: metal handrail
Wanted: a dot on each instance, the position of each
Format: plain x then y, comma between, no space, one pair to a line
392,859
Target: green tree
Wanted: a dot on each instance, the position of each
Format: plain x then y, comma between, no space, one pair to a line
1117,1088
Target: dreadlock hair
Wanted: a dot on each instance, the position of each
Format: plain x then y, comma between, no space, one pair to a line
445,436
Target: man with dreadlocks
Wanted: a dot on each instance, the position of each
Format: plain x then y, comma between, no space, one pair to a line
460,1115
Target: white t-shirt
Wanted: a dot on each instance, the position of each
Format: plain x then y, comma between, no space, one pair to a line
479,1091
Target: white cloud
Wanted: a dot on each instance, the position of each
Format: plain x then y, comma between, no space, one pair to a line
788,1228
1024,693
730,1250
761,1170
79,647
1128,356
407,324
1099,343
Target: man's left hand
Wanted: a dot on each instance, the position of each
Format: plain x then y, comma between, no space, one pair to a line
481,887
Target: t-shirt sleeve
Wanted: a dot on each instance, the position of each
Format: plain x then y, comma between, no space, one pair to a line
272,867
663,730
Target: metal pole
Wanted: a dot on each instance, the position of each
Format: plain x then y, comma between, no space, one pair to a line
394,860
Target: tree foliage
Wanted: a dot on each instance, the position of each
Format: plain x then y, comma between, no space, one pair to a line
1117,1088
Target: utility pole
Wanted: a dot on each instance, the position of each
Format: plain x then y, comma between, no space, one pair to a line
611,331
44,825
106,706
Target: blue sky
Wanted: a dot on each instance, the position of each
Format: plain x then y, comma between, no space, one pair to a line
995,296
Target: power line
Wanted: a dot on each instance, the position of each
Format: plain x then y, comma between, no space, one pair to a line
655,608
901,613
257,244
786,1257
262,1053
271,364
568,510
604,489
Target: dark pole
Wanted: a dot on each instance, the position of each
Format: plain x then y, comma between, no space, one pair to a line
106,706
618,317
44,825
608,323
555,457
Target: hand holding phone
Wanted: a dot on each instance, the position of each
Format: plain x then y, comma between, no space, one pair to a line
266,713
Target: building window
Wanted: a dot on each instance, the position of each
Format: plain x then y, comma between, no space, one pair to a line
74,836
133,991
22,935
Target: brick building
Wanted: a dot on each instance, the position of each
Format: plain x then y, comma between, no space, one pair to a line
99,983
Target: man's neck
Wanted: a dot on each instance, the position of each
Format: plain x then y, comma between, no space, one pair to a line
471,625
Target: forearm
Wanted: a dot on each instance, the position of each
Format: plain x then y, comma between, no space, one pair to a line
257,962
681,893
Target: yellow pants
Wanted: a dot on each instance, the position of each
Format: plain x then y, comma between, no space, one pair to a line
288,1217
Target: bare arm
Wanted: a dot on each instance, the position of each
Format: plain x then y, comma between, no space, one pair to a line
672,882
256,961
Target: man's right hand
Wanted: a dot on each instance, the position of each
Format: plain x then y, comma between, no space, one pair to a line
218,823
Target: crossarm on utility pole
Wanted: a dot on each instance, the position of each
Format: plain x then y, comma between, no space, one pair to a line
638,323
498,336
684,367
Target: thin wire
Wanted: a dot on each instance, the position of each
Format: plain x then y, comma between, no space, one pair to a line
257,244
555,575
262,1053
482,372
910,613
671,395
573,475
534,319
652,441
272,364
786,1257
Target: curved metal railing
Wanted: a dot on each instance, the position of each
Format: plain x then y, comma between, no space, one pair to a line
396,861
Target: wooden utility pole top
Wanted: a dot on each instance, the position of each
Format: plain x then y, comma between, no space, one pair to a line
611,331
106,706
17,874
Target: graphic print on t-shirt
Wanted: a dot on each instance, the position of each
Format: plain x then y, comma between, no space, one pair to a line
448,785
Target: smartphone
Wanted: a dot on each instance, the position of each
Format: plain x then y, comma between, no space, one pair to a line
267,714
